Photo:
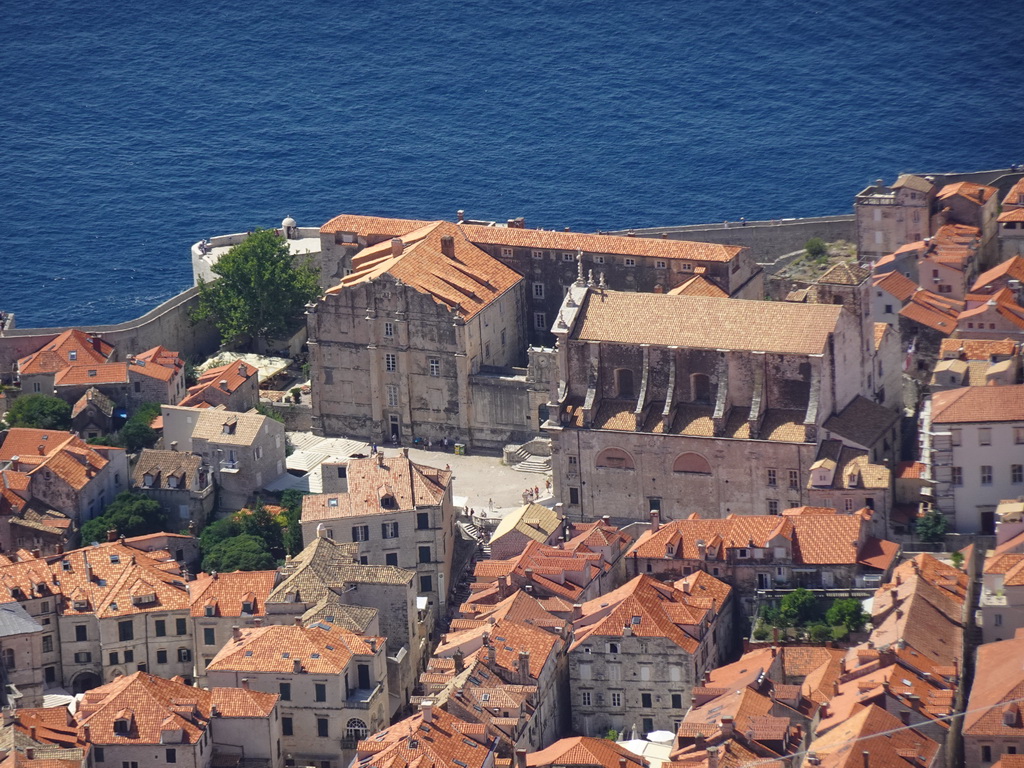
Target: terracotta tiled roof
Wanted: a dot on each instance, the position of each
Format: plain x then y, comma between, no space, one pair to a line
1012,268
978,404
844,273
532,520
878,553
211,423
160,355
465,282
370,481
371,226
70,347
700,322
977,349
878,732
585,750
162,465
228,593
61,453
225,378
698,285
976,193
896,285
1014,215
910,470
862,421
153,705
934,311
601,244
103,373
998,678
440,742
321,650
912,181
646,608
1015,197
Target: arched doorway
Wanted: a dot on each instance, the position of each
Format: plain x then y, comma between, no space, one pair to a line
85,681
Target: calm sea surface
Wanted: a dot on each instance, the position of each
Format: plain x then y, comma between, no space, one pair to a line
131,130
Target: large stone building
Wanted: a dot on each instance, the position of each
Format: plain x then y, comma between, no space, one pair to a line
889,217
395,512
705,405
423,330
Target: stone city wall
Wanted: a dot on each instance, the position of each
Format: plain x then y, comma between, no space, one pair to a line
167,324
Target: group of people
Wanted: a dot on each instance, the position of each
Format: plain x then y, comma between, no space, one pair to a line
531,495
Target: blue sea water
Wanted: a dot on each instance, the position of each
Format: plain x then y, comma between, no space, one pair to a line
131,130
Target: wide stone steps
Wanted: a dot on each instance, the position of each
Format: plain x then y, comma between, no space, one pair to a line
540,465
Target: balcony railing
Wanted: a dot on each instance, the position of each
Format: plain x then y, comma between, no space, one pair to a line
361,698
229,466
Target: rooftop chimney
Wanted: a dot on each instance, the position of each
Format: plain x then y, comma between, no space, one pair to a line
245,683
577,611
520,758
448,246
427,708
236,632
712,757
224,384
397,246
174,445
655,520
296,666
866,756
460,215
298,621
405,453
728,726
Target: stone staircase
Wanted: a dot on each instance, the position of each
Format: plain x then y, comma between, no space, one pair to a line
540,465
477,535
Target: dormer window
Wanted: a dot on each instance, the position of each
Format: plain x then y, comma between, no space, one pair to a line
211,610
81,605
147,480
247,607
172,482
122,726
115,559
387,501
73,355
66,565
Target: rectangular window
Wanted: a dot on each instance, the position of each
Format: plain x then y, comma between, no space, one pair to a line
389,530
956,476
47,643
50,674
179,627
209,637
161,657
616,699
629,262
677,701
98,754
646,700
389,330
390,362
568,257
391,558
1016,476
538,254
422,521
540,321
321,727
1018,435
284,690
986,753
113,658
125,631
172,755
360,533
772,479
392,395
286,726
998,619
426,584
954,437
425,554
435,366
160,627
503,338
129,657
585,698
599,259
848,505
773,506
574,495
81,633
506,252
794,479
320,692
538,290
985,436
83,658
986,474
660,264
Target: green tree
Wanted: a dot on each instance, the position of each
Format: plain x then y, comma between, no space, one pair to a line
932,527
130,514
957,559
798,607
241,553
217,532
260,289
260,524
136,433
816,248
39,412
847,612
291,500
819,632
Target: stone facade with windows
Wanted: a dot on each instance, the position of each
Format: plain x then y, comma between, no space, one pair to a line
397,513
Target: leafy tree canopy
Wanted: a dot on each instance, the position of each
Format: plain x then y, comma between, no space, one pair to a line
932,527
241,553
130,514
39,412
215,533
798,607
260,524
847,612
291,500
260,289
136,433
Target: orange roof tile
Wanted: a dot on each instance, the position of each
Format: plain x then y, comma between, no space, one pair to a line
976,193
878,732
229,592
416,742
934,311
977,349
1012,268
1017,214
72,346
465,282
224,378
584,750
978,404
998,679
371,226
698,286
104,373
708,323
896,284
320,649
